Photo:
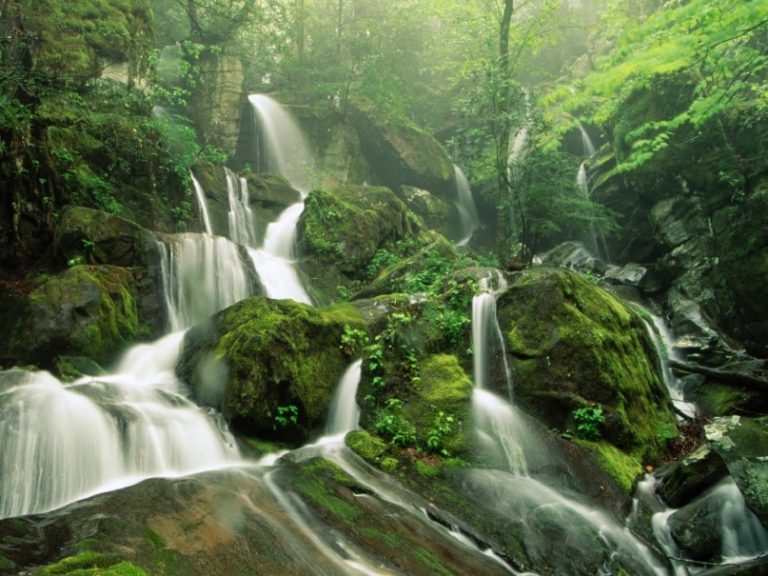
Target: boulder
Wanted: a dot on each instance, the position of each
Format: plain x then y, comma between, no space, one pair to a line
340,232
438,214
90,236
265,363
574,345
92,311
398,152
686,478
697,527
574,255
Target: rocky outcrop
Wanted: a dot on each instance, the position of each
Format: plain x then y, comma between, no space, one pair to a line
400,153
270,366
218,98
573,346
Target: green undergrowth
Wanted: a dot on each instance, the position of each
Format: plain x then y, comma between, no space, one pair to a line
90,564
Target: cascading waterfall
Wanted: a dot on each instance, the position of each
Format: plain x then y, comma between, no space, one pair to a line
582,187
344,412
586,142
241,219
286,153
506,440
466,206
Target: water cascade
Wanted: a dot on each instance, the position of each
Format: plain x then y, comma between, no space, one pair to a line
466,206
582,187
586,142
285,152
241,219
345,413
510,444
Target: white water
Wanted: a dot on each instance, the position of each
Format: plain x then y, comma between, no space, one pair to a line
242,221
586,142
287,151
665,351
202,204
202,274
466,206
345,413
288,154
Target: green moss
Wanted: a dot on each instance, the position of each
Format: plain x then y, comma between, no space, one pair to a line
6,563
91,564
622,467
720,400
425,469
367,446
313,483
389,464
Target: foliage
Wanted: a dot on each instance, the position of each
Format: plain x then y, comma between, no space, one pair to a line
442,426
393,425
285,416
714,55
352,340
589,420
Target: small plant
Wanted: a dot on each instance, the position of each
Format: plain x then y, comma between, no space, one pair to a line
589,421
393,425
87,244
286,416
441,427
352,340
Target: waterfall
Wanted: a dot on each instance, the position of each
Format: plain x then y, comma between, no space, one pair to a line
202,204
582,187
242,222
665,351
202,274
466,206
285,150
344,413
288,154
586,142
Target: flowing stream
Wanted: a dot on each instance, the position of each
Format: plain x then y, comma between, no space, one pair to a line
466,206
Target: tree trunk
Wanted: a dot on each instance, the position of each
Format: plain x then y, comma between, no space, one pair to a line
504,128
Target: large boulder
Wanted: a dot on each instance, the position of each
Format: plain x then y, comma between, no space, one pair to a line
684,479
265,363
92,311
574,345
340,232
398,152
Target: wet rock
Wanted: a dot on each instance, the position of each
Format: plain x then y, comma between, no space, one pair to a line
742,443
686,478
574,255
631,274
91,311
697,527
437,214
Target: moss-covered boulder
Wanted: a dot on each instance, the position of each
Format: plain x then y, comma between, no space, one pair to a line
574,345
340,232
270,366
398,152
90,236
437,213
88,311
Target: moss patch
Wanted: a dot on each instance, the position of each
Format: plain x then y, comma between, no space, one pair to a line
622,467
90,564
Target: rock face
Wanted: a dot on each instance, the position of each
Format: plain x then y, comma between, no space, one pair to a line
217,102
91,311
400,153
340,232
573,345
258,358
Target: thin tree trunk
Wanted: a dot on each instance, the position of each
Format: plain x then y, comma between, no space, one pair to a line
503,102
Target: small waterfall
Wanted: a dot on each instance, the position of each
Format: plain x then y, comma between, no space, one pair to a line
466,206
202,274
344,412
582,187
242,222
202,204
517,149
665,351
586,142
288,154
285,150
486,333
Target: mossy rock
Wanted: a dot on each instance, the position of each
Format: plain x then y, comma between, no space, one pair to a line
90,564
399,152
260,356
341,230
444,388
437,213
85,311
90,236
575,345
